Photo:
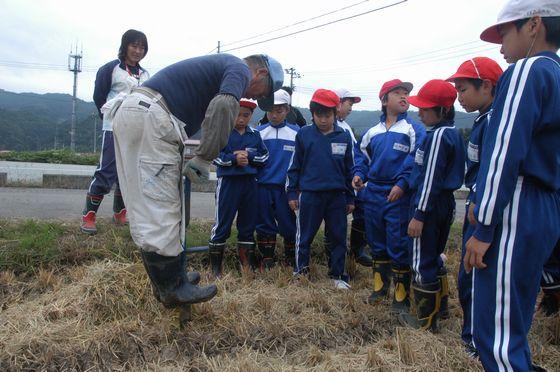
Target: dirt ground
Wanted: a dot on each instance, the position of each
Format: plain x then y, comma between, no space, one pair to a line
94,310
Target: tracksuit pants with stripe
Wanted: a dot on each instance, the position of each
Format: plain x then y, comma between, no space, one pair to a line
464,281
551,271
314,207
387,223
106,172
235,195
505,292
274,213
426,250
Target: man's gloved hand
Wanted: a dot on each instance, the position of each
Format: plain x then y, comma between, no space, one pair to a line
197,169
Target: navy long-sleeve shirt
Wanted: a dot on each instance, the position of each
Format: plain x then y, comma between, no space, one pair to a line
321,162
474,152
188,86
388,154
249,141
522,138
442,166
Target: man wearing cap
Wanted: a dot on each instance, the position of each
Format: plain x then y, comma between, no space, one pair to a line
517,202
475,82
151,127
274,214
387,157
320,184
358,242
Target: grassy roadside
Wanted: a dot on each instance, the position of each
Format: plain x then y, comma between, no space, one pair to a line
73,302
51,156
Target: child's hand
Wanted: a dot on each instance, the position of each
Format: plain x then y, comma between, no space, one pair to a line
415,228
472,219
395,194
475,251
294,205
241,157
349,208
357,183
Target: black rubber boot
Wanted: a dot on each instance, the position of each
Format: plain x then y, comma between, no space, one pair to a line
246,255
89,214
192,277
381,280
169,278
118,201
290,254
444,293
216,254
401,296
358,243
266,245
550,302
427,303
92,203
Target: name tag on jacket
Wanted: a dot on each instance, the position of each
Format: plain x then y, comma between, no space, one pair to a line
338,148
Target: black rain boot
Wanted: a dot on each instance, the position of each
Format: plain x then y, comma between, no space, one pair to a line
168,277
427,303
192,277
89,213
216,254
550,302
246,255
401,297
290,254
266,245
381,280
358,243
119,210
444,293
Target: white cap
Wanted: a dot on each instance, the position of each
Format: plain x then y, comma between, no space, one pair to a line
281,97
345,93
520,9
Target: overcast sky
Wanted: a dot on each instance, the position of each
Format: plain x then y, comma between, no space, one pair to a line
416,40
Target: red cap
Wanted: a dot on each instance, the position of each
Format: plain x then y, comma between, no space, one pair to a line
392,85
482,68
434,93
250,104
326,97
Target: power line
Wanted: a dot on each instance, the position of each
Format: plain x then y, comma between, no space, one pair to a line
400,59
318,26
294,24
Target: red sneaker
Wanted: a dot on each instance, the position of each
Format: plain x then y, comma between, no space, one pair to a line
120,218
88,223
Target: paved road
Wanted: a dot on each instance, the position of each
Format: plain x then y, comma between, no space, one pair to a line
67,204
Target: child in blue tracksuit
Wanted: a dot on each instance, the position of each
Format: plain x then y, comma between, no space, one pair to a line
274,214
236,190
475,82
441,167
319,184
550,284
517,202
388,151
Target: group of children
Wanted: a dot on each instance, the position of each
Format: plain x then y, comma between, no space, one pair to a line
284,179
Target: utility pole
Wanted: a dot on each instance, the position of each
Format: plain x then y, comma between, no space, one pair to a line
293,75
76,68
219,46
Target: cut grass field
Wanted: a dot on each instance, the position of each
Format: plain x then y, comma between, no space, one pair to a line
73,302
